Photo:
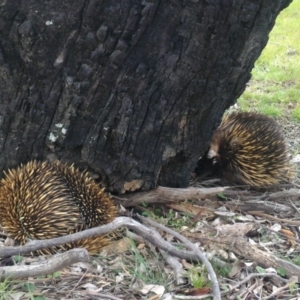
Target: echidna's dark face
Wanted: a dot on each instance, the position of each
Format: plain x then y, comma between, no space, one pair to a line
214,150
223,148
250,149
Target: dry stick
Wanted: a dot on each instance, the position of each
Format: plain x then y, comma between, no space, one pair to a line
166,195
263,215
201,256
104,296
252,205
206,296
294,206
284,194
150,235
175,265
49,266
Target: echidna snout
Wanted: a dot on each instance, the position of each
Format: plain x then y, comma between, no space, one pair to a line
250,149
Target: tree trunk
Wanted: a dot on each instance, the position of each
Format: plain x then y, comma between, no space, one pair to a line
131,90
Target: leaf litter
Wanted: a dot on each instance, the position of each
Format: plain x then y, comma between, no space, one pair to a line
137,270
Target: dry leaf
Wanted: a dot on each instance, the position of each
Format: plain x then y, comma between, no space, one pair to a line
259,287
120,277
225,213
116,247
9,242
271,270
16,296
236,268
157,289
133,185
197,211
245,218
237,229
89,287
290,235
187,265
80,267
276,227
195,292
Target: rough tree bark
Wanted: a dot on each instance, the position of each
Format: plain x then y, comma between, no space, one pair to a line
131,90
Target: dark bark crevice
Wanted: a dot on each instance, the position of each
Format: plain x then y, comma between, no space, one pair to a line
130,90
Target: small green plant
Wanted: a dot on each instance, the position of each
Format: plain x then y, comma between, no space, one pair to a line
158,211
6,288
31,288
296,260
177,220
17,258
222,196
198,278
54,275
281,271
260,270
148,214
293,288
296,113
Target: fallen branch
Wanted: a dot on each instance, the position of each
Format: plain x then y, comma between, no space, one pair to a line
148,234
51,265
291,193
286,221
166,195
264,206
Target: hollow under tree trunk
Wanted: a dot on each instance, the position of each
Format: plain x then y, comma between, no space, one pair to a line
131,90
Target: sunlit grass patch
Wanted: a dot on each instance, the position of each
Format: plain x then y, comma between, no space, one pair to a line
275,85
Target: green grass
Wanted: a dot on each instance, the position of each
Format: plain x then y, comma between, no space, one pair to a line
147,266
198,278
275,85
296,113
6,288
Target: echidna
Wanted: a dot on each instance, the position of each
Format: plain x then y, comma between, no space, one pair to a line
42,200
250,149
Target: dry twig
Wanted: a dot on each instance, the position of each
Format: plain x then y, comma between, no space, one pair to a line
166,195
286,221
150,235
51,265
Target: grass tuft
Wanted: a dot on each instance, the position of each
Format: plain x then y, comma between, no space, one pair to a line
275,86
